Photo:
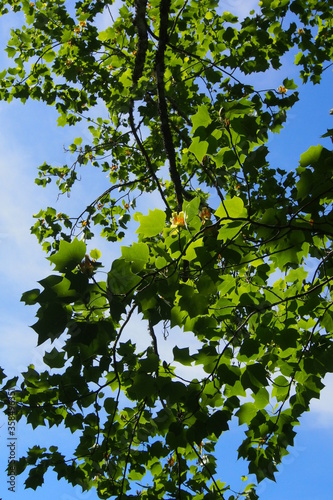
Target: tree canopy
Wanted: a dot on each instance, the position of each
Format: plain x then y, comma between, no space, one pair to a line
222,249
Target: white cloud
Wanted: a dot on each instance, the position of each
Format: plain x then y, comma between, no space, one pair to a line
18,346
23,261
137,331
321,413
19,251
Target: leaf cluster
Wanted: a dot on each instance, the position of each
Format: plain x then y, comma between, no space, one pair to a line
225,258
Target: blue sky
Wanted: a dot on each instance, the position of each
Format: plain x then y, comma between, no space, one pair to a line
28,136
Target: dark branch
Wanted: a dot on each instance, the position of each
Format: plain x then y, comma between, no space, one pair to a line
153,337
141,26
162,105
146,157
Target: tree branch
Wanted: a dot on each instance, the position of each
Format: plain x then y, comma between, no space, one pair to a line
141,26
146,157
162,105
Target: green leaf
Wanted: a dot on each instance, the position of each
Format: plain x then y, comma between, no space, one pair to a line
228,374
36,477
143,386
191,249
137,254
311,156
74,422
280,388
49,55
231,208
329,133
261,398
69,255
54,358
182,356
289,84
2,375
199,148
254,375
218,422
110,405
121,279
201,118
52,322
229,17
191,209
95,254
11,51
30,297
152,224
246,413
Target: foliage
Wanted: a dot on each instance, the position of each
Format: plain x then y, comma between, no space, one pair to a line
225,254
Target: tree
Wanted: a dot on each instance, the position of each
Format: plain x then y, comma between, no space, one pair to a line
165,92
